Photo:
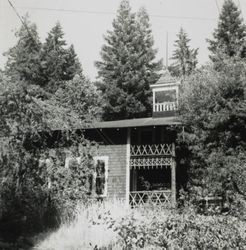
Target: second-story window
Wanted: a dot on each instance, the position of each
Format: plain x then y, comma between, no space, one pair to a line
165,97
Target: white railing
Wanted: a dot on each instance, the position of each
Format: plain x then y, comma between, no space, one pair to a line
153,198
165,106
151,150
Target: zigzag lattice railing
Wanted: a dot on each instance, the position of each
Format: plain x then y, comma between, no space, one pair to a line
139,198
151,150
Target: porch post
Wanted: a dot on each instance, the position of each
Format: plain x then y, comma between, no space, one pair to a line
173,177
128,145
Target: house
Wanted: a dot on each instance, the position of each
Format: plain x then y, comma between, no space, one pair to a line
136,158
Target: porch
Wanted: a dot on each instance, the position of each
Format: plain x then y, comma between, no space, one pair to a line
152,175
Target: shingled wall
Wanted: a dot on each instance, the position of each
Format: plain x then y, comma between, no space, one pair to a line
116,169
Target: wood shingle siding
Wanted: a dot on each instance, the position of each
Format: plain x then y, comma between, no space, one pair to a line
117,169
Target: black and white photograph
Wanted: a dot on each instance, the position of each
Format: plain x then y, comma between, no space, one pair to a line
123,125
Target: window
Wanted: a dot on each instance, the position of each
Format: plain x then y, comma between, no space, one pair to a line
72,160
100,176
166,96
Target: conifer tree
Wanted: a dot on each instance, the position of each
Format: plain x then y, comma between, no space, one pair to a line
23,61
230,35
185,59
58,62
127,67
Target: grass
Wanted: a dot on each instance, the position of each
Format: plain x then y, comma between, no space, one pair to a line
111,225
88,230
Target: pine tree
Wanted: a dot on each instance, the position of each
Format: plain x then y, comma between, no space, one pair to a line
73,65
58,62
185,59
230,35
128,66
23,61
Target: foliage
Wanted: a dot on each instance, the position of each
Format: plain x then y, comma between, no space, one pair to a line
23,59
185,59
229,37
128,65
213,112
80,96
58,62
38,130
180,231
47,65
111,226
31,191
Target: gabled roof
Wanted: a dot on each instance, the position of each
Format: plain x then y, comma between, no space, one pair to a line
139,122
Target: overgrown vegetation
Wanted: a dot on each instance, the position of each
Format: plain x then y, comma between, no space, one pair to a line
45,99
111,226
213,112
39,126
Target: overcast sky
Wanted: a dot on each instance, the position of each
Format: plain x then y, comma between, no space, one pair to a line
86,21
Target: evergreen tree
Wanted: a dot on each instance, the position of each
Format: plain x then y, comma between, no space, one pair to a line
127,67
58,62
23,61
230,35
185,59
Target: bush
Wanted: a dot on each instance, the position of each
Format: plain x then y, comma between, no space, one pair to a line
181,231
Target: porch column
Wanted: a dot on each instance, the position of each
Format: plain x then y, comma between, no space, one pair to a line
128,145
173,177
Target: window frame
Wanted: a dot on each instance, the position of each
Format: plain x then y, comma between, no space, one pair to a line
106,161
165,89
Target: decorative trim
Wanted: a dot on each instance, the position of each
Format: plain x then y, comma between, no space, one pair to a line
151,150
139,198
150,162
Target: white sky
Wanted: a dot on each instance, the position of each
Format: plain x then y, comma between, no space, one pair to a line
85,29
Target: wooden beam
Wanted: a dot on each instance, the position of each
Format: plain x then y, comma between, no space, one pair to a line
134,179
173,177
128,149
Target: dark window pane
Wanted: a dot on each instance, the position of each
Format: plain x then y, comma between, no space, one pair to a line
100,177
165,96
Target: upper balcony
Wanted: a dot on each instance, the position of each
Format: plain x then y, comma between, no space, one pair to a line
165,96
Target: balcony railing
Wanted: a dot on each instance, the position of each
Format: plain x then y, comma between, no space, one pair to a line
151,198
165,106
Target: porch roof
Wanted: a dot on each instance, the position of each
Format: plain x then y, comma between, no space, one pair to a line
138,122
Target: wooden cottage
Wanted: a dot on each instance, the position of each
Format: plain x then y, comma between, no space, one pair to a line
136,159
